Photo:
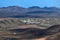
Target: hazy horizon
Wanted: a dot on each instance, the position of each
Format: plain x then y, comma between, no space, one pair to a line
30,3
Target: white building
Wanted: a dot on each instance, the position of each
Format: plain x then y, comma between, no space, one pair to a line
30,21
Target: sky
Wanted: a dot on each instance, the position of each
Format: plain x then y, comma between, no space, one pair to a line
29,3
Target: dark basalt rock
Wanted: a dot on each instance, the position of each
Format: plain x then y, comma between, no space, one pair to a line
29,32
53,29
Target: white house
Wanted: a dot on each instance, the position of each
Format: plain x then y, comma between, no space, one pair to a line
30,21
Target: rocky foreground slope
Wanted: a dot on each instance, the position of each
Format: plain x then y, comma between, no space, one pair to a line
29,33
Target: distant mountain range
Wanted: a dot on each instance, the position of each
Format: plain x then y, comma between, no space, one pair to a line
31,12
